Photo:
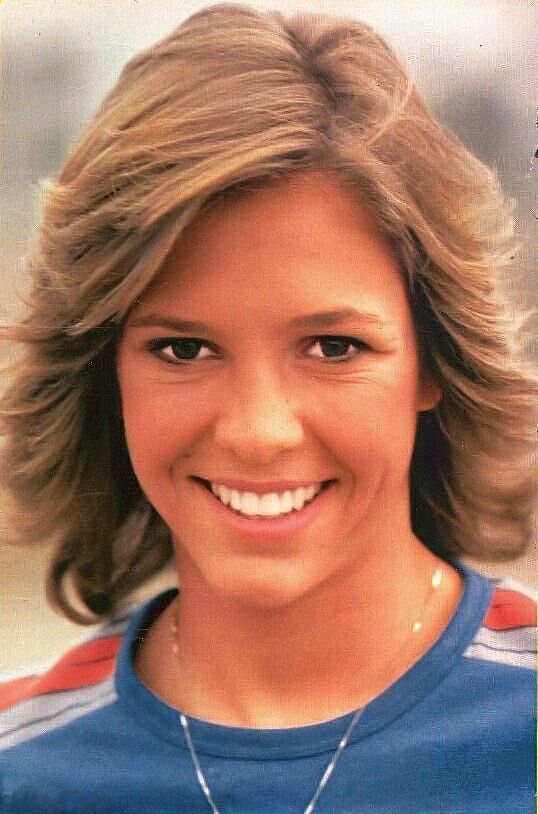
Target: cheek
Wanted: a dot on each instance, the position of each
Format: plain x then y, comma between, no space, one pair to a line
368,422
160,429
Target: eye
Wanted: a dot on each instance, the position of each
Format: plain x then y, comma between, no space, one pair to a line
181,350
336,348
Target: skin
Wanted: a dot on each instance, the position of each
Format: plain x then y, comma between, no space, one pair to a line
263,403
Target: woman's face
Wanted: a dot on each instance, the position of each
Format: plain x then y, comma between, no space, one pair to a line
273,364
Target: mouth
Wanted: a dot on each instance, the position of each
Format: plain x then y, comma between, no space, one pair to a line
270,505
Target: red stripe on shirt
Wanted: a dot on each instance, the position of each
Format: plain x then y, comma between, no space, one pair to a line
510,610
82,666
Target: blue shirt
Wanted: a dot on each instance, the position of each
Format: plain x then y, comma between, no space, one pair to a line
455,734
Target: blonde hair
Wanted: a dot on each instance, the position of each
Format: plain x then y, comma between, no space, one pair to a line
235,97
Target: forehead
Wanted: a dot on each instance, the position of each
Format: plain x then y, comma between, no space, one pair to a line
292,208
297,244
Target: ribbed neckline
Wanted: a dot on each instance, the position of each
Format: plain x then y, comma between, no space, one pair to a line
258,744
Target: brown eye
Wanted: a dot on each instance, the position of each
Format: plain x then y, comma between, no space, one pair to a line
181,350
338,348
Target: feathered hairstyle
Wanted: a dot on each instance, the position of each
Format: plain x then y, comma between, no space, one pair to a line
234,97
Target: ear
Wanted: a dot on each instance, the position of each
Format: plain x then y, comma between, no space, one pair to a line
429,393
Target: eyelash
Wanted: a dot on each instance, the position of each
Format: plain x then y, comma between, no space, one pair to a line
357,345
158,347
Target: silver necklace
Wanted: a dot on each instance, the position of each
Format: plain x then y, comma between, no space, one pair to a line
321,785
416,627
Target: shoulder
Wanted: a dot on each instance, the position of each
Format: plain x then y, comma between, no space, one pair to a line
507,634
44,698
512,607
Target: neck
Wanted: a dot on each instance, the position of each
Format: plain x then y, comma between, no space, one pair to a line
308,661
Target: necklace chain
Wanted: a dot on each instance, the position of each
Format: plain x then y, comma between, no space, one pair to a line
416,627
321,785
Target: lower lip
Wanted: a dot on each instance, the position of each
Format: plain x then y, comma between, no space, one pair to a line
281,526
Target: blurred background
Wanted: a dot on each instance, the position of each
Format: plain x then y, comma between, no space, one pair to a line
475,61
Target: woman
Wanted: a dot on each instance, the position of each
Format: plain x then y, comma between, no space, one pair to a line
266,338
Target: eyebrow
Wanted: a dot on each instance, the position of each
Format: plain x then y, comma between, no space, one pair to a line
326,319
180,325
315,321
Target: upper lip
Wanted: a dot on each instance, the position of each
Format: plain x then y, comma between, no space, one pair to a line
262,487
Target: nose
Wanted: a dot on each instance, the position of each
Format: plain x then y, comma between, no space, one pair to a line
258,421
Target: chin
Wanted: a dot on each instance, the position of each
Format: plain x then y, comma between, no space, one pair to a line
263,586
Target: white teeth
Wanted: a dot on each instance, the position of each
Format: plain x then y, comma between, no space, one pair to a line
309,492
235,500
298,497
249,503
224,494
286,502
268,505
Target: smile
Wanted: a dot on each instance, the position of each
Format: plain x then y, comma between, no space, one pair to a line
270,504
